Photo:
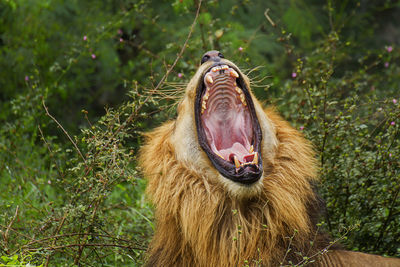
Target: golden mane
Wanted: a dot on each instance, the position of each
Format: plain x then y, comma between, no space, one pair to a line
202,219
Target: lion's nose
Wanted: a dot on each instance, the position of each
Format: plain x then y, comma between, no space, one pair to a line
212,55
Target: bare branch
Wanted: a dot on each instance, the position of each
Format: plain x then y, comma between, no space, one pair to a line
50,151
5,236
269,18
55,239
89,245
65,132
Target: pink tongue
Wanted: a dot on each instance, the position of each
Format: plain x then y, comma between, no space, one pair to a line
228,130
237,149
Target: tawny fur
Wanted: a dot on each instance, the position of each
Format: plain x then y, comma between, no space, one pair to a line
204,219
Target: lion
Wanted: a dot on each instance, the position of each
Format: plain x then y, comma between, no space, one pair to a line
232,183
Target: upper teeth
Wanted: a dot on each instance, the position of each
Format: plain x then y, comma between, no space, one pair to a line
243,99
234,74
203,106
206,95
209,78
225,67
209,81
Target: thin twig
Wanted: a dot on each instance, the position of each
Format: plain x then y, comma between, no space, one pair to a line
289,247
55,239
50,151
17,232
85,237
65,132
141,47
88,245
326,249
9,226
269,18
43,240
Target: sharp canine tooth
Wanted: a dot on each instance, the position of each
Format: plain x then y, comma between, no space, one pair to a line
209,78
251,149
255,160
234,74
243,99
203,106
237,163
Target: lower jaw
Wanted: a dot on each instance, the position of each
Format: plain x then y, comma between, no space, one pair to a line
239,190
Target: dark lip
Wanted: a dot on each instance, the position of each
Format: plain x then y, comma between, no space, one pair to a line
248,174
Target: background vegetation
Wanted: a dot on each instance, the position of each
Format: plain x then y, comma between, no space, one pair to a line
81,80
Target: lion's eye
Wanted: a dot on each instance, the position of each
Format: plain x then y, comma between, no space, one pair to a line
205,58
220,55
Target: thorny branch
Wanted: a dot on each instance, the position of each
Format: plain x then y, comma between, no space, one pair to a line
273,24
55,239
85,237
65,132
51,152
58,236
89,245
5,235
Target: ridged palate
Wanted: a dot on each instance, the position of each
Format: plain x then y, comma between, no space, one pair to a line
222,98
221,90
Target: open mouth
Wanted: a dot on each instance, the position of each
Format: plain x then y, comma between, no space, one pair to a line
227,126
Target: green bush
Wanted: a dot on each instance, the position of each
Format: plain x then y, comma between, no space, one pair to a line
78,90
352,117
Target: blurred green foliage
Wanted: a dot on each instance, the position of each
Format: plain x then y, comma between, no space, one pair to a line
77,86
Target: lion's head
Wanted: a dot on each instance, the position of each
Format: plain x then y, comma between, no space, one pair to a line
221,130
